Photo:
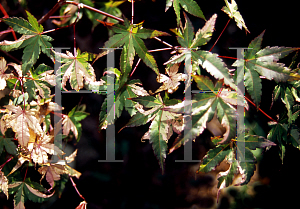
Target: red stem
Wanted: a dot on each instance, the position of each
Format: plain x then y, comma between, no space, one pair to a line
6,162
74,185
25,173
6,16
220,34
135,65
260,109
233,58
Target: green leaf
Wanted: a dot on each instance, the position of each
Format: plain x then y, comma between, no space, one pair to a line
42,78
263,62
9,145
214,157
188,32
192,7
157,136
143,53
253,141
231,10
214,65
278,134
110,7
189,6
25,191
253,85
247,163
32,40
130,35
161,119
204,34
126,61
288,100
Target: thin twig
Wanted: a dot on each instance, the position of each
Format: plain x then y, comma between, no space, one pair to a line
94,10
132,11
12,57
220,34
233,58
260,110
74,185
9,159
138,62
165,43
52,11
6,16
157,50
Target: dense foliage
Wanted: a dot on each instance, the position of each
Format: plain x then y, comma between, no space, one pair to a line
32,123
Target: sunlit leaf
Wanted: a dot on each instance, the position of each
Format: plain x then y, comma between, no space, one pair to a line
231,10
32,40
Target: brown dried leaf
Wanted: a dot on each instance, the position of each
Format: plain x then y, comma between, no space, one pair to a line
4,184
171,83
3,75
20,121
41,148
68,126
71,157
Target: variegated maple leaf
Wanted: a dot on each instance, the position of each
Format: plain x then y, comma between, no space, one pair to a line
54,170
3,184
21,121
76,68
170,83
163,123
40,149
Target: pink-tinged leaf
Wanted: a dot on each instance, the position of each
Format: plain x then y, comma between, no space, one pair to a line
3,75
76,69
38,193
20,205
82,205
170,83
4,184
68,126
20,121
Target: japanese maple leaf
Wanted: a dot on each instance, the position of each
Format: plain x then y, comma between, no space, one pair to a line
20,121
170,83
206,107
41,147
131,35
123,91
32,40
71,122
262,62
231,10
189,6
4,184
76,68
52,171
41,79
3,75
24,191
189,51
110,7
242,161
160,129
